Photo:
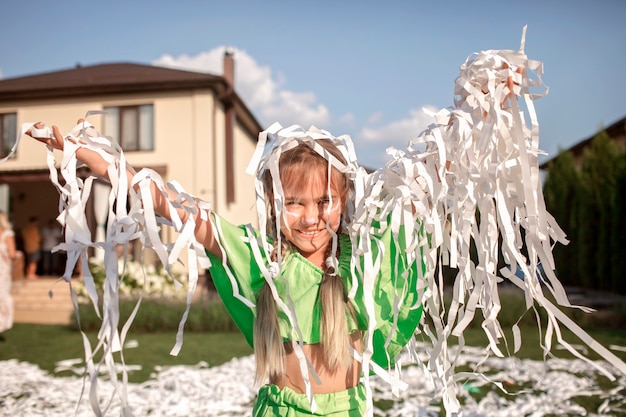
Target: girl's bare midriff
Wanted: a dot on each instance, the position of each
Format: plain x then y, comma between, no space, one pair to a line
340,379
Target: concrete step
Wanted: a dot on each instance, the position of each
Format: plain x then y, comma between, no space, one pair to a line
43,317
32,302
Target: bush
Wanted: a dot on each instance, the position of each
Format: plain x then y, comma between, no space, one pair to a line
135,278
163,315
162,306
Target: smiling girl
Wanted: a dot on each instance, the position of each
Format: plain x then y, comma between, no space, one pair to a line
293,287
330,287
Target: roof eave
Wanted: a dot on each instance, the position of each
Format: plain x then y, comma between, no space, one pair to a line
83,91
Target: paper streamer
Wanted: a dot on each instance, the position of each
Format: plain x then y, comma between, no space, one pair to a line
139,222
470,179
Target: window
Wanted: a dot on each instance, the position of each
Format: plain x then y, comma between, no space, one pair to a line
8,133
131,126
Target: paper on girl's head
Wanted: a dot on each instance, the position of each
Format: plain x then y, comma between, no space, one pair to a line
276,139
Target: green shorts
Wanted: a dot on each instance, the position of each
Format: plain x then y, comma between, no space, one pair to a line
273,401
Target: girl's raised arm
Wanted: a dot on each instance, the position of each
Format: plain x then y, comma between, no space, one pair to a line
99,166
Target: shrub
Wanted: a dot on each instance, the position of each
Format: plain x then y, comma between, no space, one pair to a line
163,315
162,306
135,278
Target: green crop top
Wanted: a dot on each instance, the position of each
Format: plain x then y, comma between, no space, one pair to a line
239,279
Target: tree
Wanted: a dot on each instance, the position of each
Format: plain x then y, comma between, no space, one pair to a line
618,244
560,195
588,203
599,174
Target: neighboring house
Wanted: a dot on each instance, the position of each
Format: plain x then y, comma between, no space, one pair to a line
615,131
187,126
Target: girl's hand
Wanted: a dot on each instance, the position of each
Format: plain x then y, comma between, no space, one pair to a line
51,137
54,139
510,83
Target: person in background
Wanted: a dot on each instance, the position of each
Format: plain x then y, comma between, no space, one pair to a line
50,237
7,254
32,246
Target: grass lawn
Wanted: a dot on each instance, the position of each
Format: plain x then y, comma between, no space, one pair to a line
44,345
530,348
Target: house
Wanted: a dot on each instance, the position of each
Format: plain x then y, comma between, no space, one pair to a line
187,126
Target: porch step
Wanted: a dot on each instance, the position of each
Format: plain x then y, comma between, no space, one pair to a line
33,304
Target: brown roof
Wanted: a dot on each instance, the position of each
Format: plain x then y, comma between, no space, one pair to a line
615,130
103,79
121,78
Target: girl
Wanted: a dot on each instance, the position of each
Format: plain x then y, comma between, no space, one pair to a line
293,289
331,286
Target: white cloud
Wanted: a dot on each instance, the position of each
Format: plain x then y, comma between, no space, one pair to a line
398,131
375,117
374,140
288,107
264,93
347,120
210,61
258,87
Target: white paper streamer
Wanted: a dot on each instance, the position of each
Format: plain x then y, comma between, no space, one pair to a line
471,178
139,222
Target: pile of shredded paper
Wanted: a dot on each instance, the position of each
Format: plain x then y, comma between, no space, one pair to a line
470,180
554,387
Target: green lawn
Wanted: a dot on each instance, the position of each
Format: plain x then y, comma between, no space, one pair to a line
530,348
45,345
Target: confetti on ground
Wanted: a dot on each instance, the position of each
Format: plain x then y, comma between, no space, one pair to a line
554,387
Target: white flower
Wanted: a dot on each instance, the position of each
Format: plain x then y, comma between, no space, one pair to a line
134,279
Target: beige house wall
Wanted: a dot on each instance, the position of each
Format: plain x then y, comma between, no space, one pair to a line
189,146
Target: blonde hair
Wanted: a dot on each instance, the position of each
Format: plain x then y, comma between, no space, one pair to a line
268,344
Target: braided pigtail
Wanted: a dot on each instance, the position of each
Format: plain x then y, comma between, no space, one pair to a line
334,328
269,350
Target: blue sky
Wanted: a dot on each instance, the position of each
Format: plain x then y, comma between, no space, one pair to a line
365,68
